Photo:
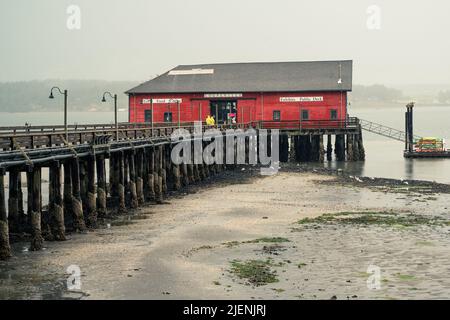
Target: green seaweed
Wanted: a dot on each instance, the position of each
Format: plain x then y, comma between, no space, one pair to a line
256,272
365,218
405,277
232,244
268,240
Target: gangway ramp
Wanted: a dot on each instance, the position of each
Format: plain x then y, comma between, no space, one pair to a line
384,131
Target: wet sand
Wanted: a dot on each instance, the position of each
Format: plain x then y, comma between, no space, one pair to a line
184,248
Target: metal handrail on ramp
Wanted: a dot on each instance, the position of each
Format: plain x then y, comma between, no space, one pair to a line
384,131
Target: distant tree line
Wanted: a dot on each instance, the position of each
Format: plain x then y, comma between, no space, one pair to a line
83,95
376,92
444,96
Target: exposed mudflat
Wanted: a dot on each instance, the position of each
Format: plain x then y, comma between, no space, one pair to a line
248,239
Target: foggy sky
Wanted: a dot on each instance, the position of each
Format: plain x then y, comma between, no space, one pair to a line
137,39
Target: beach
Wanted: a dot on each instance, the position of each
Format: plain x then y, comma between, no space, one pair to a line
298,234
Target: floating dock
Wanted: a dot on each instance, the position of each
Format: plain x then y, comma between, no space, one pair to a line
434,154
412,148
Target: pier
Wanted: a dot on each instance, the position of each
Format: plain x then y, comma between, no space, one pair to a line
96,172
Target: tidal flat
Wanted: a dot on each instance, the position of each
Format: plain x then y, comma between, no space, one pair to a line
294,235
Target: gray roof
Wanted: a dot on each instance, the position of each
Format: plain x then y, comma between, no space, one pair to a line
252,77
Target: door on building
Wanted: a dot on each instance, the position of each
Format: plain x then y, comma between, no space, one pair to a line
148,115
223,110
246,111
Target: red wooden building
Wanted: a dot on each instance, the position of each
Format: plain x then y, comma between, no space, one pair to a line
277,92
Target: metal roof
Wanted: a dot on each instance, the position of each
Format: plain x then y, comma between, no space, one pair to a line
252,77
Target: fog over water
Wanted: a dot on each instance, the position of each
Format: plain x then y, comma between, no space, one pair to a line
391,42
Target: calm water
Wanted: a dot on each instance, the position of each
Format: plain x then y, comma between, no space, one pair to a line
48,118
384,157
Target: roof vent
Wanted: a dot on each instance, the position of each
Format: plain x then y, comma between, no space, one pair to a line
190,72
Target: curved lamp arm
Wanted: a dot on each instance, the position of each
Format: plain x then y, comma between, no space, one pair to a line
107,93
51,92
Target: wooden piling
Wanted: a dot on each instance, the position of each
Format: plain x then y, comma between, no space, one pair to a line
83,184
22,215
157,175
139,177
68,213
13,201
126,175
151,174
329,148
292,156
163,172
120,176
296,148
314,148
91,206
321,155
35,217
303,148
112,183
284,148
362,151
5,248
196,172
308,148
355,147
194,169
176,175
132,171
145,185
56,203
46,219
340,147
101,186
77,204
350,145
185,178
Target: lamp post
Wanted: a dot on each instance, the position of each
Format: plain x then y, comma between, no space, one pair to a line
64,93
116,125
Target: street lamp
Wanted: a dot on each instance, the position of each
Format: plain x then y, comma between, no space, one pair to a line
115,110
64,93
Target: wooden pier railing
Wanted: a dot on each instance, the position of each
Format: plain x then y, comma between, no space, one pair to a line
31,137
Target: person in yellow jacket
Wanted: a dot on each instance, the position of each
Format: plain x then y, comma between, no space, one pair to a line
210,121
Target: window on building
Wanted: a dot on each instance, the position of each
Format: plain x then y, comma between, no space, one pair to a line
167,116
148,115
333,114
276,115
305,115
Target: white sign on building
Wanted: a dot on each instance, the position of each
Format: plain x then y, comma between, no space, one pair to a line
149,101
301,99
223,95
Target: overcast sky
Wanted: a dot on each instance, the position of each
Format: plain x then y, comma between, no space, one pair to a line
137,39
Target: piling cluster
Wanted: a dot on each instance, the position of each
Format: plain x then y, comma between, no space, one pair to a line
311,147
85,189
